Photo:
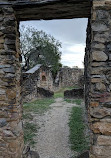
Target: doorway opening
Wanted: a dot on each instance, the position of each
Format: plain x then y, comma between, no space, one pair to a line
58,133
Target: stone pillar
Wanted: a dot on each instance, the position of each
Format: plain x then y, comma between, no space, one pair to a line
98,87
11,134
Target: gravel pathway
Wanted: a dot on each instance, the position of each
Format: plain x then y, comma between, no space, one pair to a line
52,138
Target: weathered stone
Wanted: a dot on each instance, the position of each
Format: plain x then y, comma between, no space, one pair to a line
102,15
99,46
102,151
107,104
98,112
11,94
99,56
102,127
94,104
99,26
7,133
104,140
100,86
102,38
96,80
3,122
9,69
85,154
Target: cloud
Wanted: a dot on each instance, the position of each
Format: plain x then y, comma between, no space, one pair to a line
72,34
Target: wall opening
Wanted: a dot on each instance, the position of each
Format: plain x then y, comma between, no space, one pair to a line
72,35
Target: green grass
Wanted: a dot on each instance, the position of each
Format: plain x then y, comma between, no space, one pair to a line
29,132
77,138
74,101
38,106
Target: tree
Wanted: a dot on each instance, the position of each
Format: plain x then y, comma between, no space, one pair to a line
37,47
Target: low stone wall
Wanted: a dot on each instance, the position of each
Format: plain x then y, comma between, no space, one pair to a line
74,93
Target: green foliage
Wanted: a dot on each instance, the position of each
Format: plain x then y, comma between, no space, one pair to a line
37,47
78,140
30,129
29,132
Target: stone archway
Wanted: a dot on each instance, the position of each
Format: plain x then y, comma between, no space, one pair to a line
97,68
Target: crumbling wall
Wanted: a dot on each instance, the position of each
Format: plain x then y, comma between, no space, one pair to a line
69,77
30,82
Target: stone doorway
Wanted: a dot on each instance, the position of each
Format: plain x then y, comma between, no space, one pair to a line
97,62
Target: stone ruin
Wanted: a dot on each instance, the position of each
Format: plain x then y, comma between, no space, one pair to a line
97,68
36,83
68,77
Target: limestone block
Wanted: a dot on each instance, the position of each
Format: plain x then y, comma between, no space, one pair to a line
99,56
96,80
99,26
94,104
104,140
100,86
98,112
102,127
104,151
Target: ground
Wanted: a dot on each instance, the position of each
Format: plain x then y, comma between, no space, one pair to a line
52,139
51,127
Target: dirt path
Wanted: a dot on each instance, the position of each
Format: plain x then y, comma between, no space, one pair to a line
52,138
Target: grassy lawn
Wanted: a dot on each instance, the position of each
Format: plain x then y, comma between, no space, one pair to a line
38,107
78,140
74,101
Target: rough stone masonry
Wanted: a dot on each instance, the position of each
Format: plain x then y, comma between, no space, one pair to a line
97,68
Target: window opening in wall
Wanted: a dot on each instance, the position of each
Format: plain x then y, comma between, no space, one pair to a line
43,78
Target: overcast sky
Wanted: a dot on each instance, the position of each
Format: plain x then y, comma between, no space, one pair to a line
71,33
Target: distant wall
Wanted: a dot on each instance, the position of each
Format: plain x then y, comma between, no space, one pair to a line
69,77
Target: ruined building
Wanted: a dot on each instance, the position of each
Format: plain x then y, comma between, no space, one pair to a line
97,68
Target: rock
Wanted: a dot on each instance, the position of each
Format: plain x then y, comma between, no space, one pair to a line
98,112
100,86
3,122
99,56
30,154
102,14
102,151
99,26
94,104
44,93
104,140
84,155
102,128
107,104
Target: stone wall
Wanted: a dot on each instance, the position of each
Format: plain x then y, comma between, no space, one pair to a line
98,78
98,68
30,82
69,77
11,134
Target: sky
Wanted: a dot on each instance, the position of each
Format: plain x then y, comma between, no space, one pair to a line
71,33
